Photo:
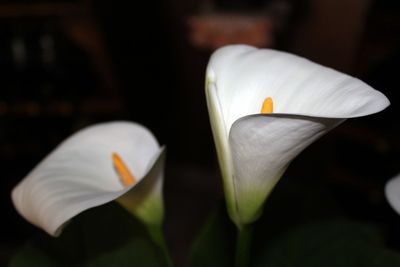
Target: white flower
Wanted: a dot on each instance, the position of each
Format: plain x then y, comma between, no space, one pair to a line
392,192
119,161
265,107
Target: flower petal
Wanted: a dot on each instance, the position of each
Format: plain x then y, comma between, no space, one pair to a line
79,173
220,134
262,147
392,192
244,76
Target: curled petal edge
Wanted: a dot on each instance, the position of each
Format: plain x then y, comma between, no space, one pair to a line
262,148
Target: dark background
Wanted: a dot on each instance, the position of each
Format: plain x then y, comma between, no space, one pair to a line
68,64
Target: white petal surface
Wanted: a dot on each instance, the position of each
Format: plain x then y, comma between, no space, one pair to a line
308,100
262,148
392,192
79,173
244,76
222,145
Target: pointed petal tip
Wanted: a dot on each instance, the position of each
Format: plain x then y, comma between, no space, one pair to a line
382,101
374,101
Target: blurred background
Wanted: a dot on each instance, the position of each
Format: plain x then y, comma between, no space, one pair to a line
66,64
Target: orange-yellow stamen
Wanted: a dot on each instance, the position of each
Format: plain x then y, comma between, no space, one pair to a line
125,175
267,106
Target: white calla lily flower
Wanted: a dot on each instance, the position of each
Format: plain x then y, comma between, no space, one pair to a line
392,192
265,107
119,161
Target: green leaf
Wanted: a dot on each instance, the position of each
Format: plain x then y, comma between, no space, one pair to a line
103,236
214,246
328,244
43,250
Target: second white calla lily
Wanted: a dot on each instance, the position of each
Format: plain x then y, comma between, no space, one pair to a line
119,161
265,107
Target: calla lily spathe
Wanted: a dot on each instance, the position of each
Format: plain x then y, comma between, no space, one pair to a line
80,174
392,192
254,149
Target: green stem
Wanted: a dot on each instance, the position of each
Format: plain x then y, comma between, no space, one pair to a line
243,246
157,235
